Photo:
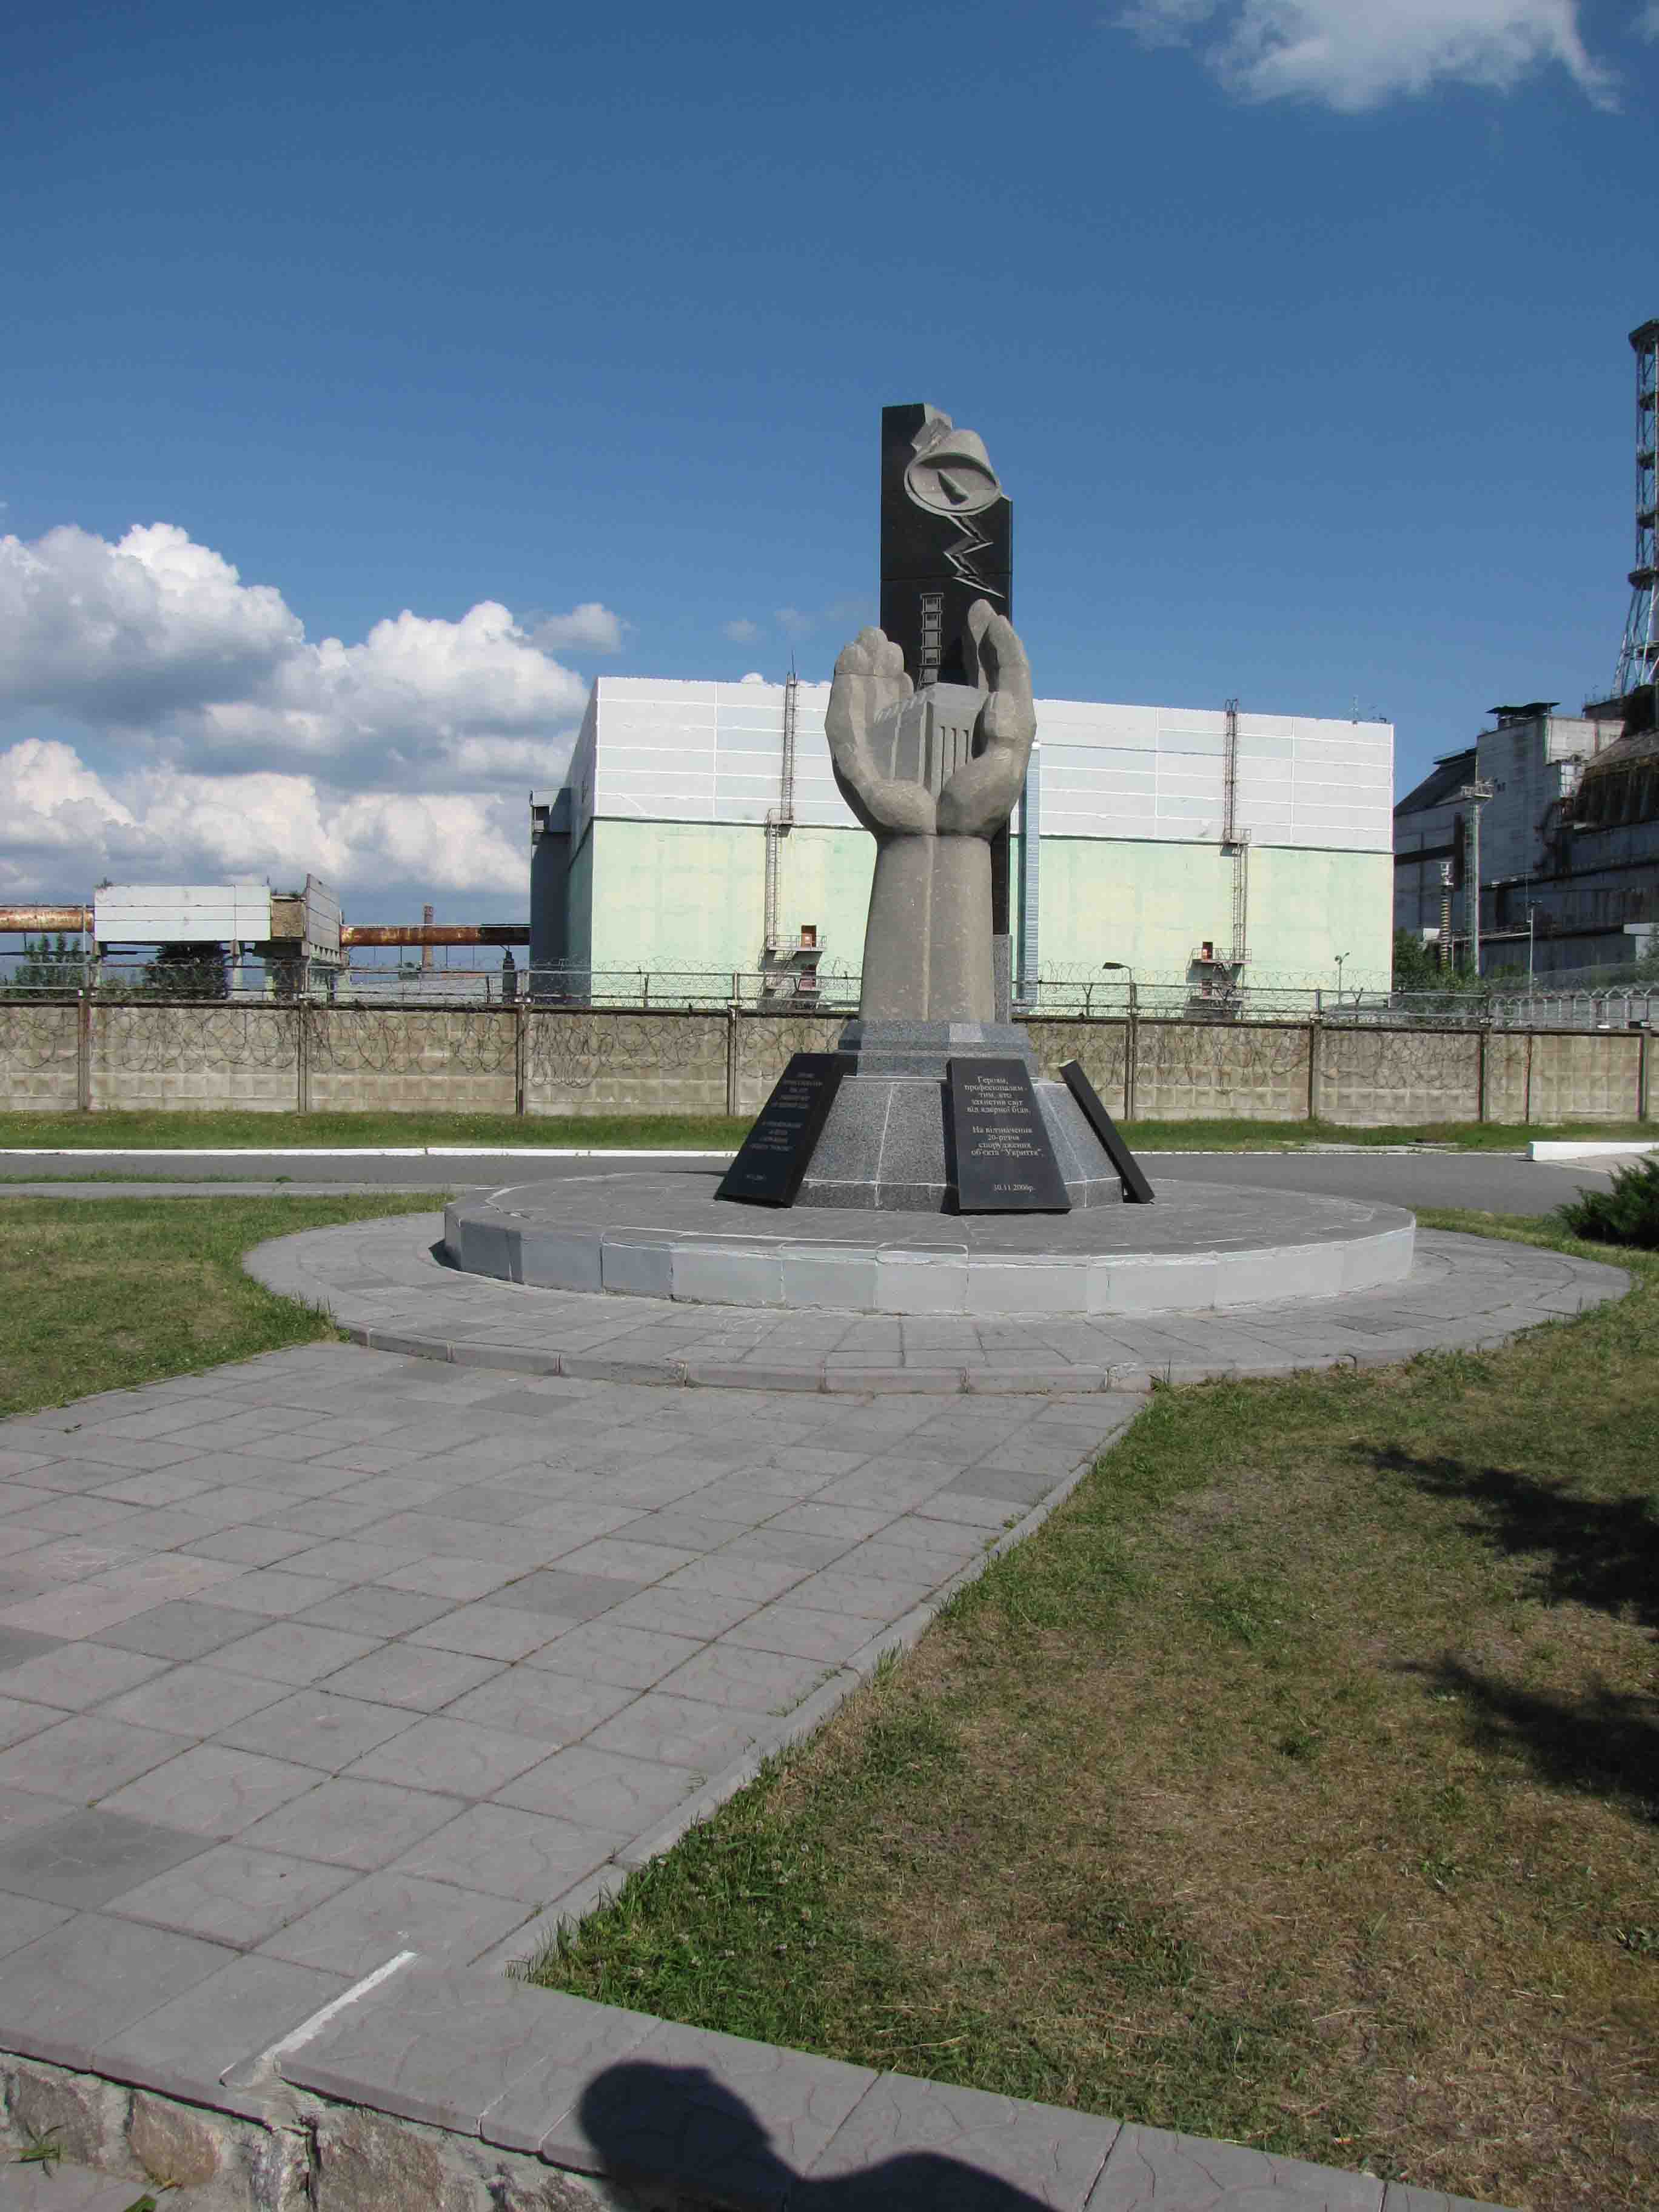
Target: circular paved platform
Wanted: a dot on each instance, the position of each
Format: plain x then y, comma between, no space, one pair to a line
665,1235
386,1287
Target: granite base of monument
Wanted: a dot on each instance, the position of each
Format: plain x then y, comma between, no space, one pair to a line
660,1233
888,1143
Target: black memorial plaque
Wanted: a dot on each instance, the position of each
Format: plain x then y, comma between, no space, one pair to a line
1136,1191
778,1151
1005,1163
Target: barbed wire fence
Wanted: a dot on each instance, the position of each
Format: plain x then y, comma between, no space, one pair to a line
1059,993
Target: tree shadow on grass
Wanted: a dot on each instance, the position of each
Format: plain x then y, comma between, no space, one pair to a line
1593,1552
1603,1745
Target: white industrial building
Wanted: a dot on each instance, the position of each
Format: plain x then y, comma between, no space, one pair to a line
700,829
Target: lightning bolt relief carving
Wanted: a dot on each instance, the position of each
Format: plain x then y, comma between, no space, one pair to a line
961,557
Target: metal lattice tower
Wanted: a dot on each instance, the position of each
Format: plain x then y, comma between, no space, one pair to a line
1639,656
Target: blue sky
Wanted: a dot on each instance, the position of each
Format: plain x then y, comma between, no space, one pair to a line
1296,329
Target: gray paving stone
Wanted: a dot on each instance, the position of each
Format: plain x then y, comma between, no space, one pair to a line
317,1729
80,1985
388,1912
456,1579
23,1919
87,1857
230,1895
185,2048
250,1548
534,1702
934,2146
351,1823
802,1633
569,1596
512,1852
463,1759
75,1676
446,2049
1150,2170
183,1628
193,1700
85,1757
276,1593
28,1808
287,1651
372,1609
1002,1483
413,1676
86,1608
602,1788
678,1731
681,1613
487,1630
212,1791
745,1679
739,2120
603,1651
852,1594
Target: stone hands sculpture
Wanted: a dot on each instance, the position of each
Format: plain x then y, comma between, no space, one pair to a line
932,776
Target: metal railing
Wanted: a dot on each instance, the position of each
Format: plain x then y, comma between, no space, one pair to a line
1054,996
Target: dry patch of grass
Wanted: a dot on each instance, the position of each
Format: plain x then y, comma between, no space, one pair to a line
1298,1783
101,1295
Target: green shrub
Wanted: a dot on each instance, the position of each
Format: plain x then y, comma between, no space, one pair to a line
1625,1213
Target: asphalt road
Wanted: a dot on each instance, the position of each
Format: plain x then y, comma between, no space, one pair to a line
1494,1182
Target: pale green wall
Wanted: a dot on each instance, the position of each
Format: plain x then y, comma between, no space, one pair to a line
1150,903
693,895
689,895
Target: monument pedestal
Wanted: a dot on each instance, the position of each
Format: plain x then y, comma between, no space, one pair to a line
887,1145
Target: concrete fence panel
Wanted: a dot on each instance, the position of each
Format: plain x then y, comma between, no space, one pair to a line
1582,1076
569,1063
1369,1078
39,1056
1243,1070
1508,1057
157,1058
578,1063
442,1060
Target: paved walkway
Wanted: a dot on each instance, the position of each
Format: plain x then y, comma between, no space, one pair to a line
337,1655
383,1284
333,1653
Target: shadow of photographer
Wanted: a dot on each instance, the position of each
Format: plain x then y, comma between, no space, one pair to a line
649,2122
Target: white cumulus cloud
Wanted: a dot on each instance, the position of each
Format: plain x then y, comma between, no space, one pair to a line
66,827
1356,54
157,641
589,627
222,741
743,630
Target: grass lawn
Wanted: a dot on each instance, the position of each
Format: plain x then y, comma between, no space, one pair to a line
183,1132
714,1133
1297,1782
99,1296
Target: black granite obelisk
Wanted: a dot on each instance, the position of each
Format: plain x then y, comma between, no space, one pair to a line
939,554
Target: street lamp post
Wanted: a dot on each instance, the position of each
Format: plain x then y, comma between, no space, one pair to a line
1123,969
1340,957
1131,1037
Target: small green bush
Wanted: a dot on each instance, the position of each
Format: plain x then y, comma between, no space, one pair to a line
1625,1213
